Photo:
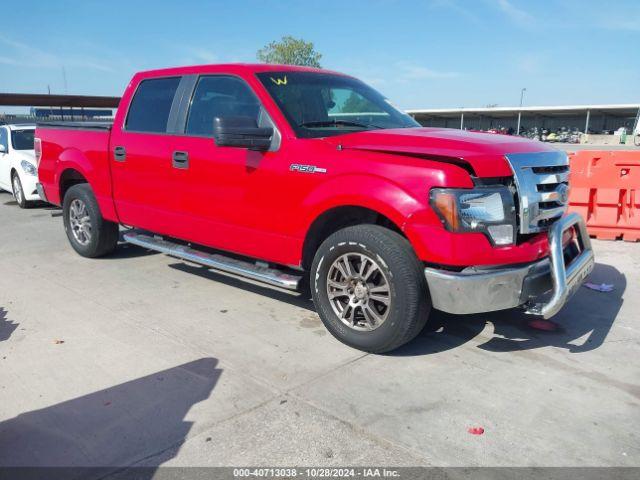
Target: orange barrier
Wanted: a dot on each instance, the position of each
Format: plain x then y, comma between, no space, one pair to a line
605,190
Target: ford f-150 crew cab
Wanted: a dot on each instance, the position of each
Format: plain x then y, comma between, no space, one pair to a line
309,179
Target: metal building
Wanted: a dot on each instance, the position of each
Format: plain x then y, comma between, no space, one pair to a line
584,118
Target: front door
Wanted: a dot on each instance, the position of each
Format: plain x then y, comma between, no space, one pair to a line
224,187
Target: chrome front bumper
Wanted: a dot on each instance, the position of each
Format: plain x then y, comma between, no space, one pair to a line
476,290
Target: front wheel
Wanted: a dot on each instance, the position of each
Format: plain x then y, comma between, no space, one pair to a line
89,234
18,192
369,288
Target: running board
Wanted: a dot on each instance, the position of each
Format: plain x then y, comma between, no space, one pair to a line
216,261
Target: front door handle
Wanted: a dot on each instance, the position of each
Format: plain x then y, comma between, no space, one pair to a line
180,160
119,154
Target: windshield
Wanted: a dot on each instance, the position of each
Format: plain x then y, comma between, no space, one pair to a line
22,139
320,104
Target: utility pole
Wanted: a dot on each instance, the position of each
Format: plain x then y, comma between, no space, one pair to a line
520,112
50,107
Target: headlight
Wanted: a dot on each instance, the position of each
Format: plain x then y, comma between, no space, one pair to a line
28,168
489,210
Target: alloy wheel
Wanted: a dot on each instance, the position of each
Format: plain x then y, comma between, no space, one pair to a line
359,291
80,221
17,189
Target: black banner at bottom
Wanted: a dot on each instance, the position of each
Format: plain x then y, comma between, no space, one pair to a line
303,473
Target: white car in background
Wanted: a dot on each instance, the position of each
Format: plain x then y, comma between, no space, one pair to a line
18,169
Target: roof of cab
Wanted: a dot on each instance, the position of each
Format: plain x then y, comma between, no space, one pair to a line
237,68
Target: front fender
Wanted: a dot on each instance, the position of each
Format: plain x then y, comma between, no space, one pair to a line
361,190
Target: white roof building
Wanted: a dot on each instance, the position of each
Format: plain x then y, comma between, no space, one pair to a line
593,118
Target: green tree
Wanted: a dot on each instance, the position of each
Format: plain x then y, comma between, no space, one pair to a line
290,51
356,103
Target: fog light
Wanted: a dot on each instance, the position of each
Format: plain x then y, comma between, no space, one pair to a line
501,234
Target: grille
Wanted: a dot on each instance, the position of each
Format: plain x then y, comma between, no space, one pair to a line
553,169
542,182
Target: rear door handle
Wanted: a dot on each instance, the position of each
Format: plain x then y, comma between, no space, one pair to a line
119,154
180,160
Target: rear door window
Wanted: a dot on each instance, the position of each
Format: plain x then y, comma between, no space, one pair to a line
151,105
221,96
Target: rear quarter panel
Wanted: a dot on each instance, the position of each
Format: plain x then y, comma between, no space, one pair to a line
86,152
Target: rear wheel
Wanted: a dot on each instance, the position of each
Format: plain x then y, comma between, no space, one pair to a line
89,234
369,288
18,192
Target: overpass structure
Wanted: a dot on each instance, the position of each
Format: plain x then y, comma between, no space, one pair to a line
44,100
56,107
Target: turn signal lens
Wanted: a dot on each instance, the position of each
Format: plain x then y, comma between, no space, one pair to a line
447,206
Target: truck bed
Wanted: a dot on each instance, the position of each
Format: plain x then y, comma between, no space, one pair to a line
102,125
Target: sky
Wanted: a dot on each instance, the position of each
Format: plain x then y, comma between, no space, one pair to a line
419,53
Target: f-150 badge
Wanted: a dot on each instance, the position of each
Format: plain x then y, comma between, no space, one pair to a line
294,167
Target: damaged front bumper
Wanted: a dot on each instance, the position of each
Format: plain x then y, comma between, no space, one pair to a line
476,290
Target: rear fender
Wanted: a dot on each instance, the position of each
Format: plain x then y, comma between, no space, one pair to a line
98,177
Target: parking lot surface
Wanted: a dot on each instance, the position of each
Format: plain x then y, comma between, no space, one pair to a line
141,359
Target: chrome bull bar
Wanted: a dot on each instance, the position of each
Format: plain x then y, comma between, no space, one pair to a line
566,279
478,290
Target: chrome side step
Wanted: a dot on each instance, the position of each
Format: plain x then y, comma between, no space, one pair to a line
216,261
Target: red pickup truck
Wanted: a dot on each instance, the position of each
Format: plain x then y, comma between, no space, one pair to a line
310,179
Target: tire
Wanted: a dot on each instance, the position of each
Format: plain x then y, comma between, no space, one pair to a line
18,192
89,234
386,310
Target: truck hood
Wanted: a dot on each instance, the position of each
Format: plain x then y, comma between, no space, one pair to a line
480,153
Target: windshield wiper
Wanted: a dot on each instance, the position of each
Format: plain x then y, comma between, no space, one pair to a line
330,123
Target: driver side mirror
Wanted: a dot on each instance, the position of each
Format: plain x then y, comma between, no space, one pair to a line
3,149
242,132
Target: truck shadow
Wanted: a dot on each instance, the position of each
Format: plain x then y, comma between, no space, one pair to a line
128,250
7,327
296,299
582,325
111,428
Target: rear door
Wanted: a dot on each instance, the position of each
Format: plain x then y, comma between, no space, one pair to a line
144,187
